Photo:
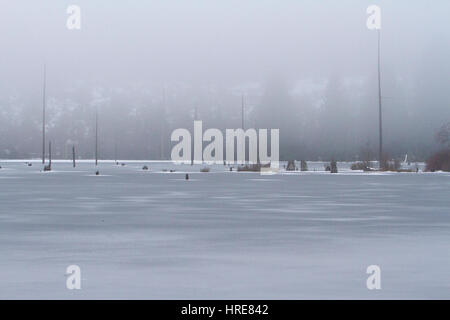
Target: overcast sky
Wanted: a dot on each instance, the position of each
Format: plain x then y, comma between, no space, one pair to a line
224,41
320,53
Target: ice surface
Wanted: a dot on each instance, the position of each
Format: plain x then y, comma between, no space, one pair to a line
221,235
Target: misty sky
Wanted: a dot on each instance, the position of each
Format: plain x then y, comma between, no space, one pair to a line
226,41
209,52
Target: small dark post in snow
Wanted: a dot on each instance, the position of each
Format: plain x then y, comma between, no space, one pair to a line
73,155
187,176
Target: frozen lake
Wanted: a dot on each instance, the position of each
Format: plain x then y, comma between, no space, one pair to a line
221,235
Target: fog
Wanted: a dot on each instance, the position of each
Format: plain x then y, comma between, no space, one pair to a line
308,68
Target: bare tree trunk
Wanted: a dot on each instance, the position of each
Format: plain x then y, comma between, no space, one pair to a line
73,155
162,127
242,112
50,154
380,156
43,117
115,147
96,137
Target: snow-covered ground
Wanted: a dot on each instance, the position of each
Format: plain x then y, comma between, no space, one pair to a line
221,235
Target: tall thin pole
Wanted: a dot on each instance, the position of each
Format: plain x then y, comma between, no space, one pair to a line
161,142
192,142
50,154
73,155
242,112
43,116
380,156
96,135
115,147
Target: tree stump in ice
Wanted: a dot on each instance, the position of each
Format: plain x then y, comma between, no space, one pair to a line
303,165
333,167
290,165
